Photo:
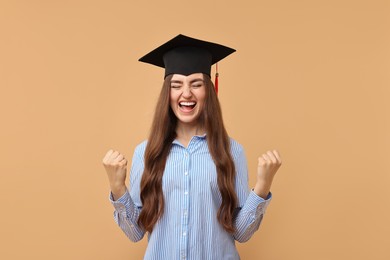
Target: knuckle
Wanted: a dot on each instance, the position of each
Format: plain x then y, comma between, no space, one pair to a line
113,164
262,163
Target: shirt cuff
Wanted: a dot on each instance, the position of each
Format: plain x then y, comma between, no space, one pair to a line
121,203
257,203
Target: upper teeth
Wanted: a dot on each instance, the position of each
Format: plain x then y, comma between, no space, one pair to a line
187,103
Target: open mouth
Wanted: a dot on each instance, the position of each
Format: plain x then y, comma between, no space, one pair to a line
187,106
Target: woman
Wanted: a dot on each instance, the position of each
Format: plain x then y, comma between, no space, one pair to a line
189,180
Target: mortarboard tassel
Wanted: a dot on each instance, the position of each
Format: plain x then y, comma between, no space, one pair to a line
216,78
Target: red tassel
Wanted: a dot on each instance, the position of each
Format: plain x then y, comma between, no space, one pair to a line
216,78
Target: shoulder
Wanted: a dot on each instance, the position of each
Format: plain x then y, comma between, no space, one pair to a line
141,146
235,147
140,149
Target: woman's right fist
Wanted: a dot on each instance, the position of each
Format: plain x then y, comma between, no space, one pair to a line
115,164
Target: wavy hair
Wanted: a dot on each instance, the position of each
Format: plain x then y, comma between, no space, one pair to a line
163,133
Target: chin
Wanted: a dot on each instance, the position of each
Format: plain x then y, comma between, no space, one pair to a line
192,120
187,121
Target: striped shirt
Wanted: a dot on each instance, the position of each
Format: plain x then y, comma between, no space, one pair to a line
189,228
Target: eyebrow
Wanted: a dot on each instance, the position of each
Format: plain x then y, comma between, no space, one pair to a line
192,81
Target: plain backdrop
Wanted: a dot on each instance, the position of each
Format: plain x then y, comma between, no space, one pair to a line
309,78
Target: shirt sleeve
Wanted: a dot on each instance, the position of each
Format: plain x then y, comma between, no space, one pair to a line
252,207
128,207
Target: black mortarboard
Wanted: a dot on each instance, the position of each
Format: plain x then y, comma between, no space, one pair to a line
185,55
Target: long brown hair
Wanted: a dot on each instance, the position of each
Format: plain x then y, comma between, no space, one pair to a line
162,134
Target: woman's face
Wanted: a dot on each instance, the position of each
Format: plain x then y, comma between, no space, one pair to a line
187,97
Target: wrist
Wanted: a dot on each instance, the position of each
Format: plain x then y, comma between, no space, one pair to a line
118,191
262,189
117,185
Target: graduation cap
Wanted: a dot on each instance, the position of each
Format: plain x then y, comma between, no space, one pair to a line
185,55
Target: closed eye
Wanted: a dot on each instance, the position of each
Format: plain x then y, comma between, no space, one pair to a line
176,84
197,85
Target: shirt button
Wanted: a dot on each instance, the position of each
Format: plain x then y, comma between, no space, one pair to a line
186,173
185,212
186,193
184,234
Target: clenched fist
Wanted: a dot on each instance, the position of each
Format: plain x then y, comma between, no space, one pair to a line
116,166
268,165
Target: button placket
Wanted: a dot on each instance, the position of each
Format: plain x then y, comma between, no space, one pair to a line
185,205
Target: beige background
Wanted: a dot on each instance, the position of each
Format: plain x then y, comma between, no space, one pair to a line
310,78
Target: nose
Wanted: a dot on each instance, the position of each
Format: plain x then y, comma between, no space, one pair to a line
187,92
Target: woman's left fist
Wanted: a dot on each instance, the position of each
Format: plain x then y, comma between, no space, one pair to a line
268,165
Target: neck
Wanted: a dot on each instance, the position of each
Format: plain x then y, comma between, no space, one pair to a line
185,132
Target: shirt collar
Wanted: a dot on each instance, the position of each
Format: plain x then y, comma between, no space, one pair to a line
203,136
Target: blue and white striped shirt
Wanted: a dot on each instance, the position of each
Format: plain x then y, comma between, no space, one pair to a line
189,228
